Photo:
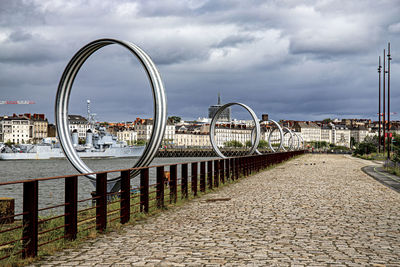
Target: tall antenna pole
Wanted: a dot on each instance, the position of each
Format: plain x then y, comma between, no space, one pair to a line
388,81
379,112
384,101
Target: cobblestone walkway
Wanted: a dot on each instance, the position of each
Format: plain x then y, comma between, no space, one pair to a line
317,210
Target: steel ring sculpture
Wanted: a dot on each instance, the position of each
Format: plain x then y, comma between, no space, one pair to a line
64,91
286,131
269,137
281,135
214,122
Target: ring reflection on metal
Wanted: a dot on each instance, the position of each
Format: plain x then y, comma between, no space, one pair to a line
214,122
252,139
298,141
302,141
64,91
270,136
290,140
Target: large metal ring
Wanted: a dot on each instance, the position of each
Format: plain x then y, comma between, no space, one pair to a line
214,122
270,135
64,91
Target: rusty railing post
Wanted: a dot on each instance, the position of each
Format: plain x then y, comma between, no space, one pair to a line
184,183
71,207
222,170
194,178
202,176
30,219
216,173
173,185
125,197
237,168
227,169
101,201
210,174
144,190
160,187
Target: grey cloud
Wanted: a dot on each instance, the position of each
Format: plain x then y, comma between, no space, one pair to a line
304,70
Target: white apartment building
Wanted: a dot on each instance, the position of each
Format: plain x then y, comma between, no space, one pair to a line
310,131
127,135
341,135
359,133
40,126
229,132
185,139
144,128
79,123
18,130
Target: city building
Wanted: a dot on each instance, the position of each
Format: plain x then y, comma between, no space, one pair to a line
79,123
16,129
225,116
310,131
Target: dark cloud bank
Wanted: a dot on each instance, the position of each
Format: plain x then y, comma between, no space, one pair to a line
293,60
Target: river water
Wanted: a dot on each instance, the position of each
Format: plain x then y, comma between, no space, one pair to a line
52,192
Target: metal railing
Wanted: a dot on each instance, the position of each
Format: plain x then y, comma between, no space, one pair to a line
23,238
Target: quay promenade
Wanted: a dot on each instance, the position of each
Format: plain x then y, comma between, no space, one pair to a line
316,210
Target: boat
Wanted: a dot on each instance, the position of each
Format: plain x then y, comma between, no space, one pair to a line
99,145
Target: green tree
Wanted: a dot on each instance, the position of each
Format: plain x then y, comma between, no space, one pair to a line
233,143
141,142
174,119
326,121
261,144
368,146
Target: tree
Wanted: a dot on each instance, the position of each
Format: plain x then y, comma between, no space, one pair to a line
261,144
233,143
326,121
352,141
140,142
368,146
174,119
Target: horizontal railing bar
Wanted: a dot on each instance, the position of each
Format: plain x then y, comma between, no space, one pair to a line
86,209
88,228
11,229
53,240
87,199
53,229
53,207
52,218
13,216
16,253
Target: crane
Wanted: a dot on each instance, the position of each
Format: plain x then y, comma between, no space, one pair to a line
18,102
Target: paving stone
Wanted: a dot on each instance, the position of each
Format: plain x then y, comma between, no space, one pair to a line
327,213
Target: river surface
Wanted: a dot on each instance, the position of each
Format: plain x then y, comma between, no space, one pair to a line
52,192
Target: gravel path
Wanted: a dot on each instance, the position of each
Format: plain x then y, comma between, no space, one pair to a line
316,210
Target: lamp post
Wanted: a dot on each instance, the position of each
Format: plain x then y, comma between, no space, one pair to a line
388,123
379,112
384,100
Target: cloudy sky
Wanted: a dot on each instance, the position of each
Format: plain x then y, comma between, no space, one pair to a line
301,60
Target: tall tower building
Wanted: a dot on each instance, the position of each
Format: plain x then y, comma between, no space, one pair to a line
225,115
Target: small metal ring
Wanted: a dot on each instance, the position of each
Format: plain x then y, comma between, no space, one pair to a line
286,130
64,91
214,122
298,140
302,141
270,135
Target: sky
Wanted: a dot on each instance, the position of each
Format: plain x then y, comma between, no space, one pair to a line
300,60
